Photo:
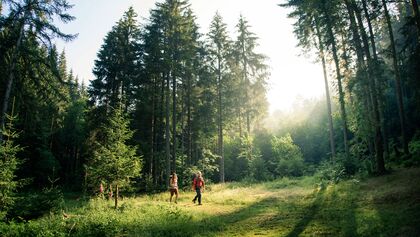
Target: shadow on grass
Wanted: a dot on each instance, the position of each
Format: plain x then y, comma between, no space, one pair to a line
343,205
214,225
332,212
397,204
239,222
309,215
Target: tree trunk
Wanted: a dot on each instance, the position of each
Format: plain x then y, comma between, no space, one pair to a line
220,122
160,133
398,89
167,134
152,132
189,130
240,123
247,106
371,34
76,158
11,78
375,68
174,146
247,86
416,15
373,91
339,84
116,196
327,94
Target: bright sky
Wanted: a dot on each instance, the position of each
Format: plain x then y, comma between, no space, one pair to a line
291,75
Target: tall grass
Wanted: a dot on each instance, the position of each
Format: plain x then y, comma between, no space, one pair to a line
383,206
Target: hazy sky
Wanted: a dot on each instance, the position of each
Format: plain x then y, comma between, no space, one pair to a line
291,75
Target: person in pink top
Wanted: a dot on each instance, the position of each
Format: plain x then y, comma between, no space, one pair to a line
173,186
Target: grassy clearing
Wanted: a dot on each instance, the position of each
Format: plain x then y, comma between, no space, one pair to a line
382,206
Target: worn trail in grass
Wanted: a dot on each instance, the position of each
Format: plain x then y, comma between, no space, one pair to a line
382,206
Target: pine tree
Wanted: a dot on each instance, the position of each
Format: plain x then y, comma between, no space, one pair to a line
117,67
32,18
252,67
9,164
219,52
114,161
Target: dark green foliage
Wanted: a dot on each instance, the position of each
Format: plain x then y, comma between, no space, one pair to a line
259,169
30,21
373,48
9,164
414,147
331,173
238,166
35,205
117,67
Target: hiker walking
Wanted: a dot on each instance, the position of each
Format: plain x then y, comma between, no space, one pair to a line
198,184
173,186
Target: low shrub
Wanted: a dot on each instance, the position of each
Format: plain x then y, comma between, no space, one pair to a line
34,205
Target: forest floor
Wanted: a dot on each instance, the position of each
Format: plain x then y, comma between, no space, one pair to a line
380,206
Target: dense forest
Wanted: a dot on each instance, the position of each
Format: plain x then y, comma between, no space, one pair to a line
168,97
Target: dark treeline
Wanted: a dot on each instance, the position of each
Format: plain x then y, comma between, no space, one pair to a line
167,97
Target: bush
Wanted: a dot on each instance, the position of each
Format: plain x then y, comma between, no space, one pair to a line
35,205
330,173
414,148
292,167
259,169
288,159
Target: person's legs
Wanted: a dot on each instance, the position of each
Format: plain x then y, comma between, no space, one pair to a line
199,195
172,194
196,196
176,195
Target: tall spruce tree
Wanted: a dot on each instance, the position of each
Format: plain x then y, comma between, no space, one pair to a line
117,67
251,67
219,52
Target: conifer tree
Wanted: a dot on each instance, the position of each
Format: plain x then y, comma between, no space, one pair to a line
32,18
9,164
117,67
251,68
114,161
219,52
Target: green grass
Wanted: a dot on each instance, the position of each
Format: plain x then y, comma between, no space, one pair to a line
381,206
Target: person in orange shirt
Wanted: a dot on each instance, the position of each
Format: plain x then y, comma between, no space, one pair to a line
198,185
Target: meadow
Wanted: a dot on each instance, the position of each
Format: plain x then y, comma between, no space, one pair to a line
380,206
